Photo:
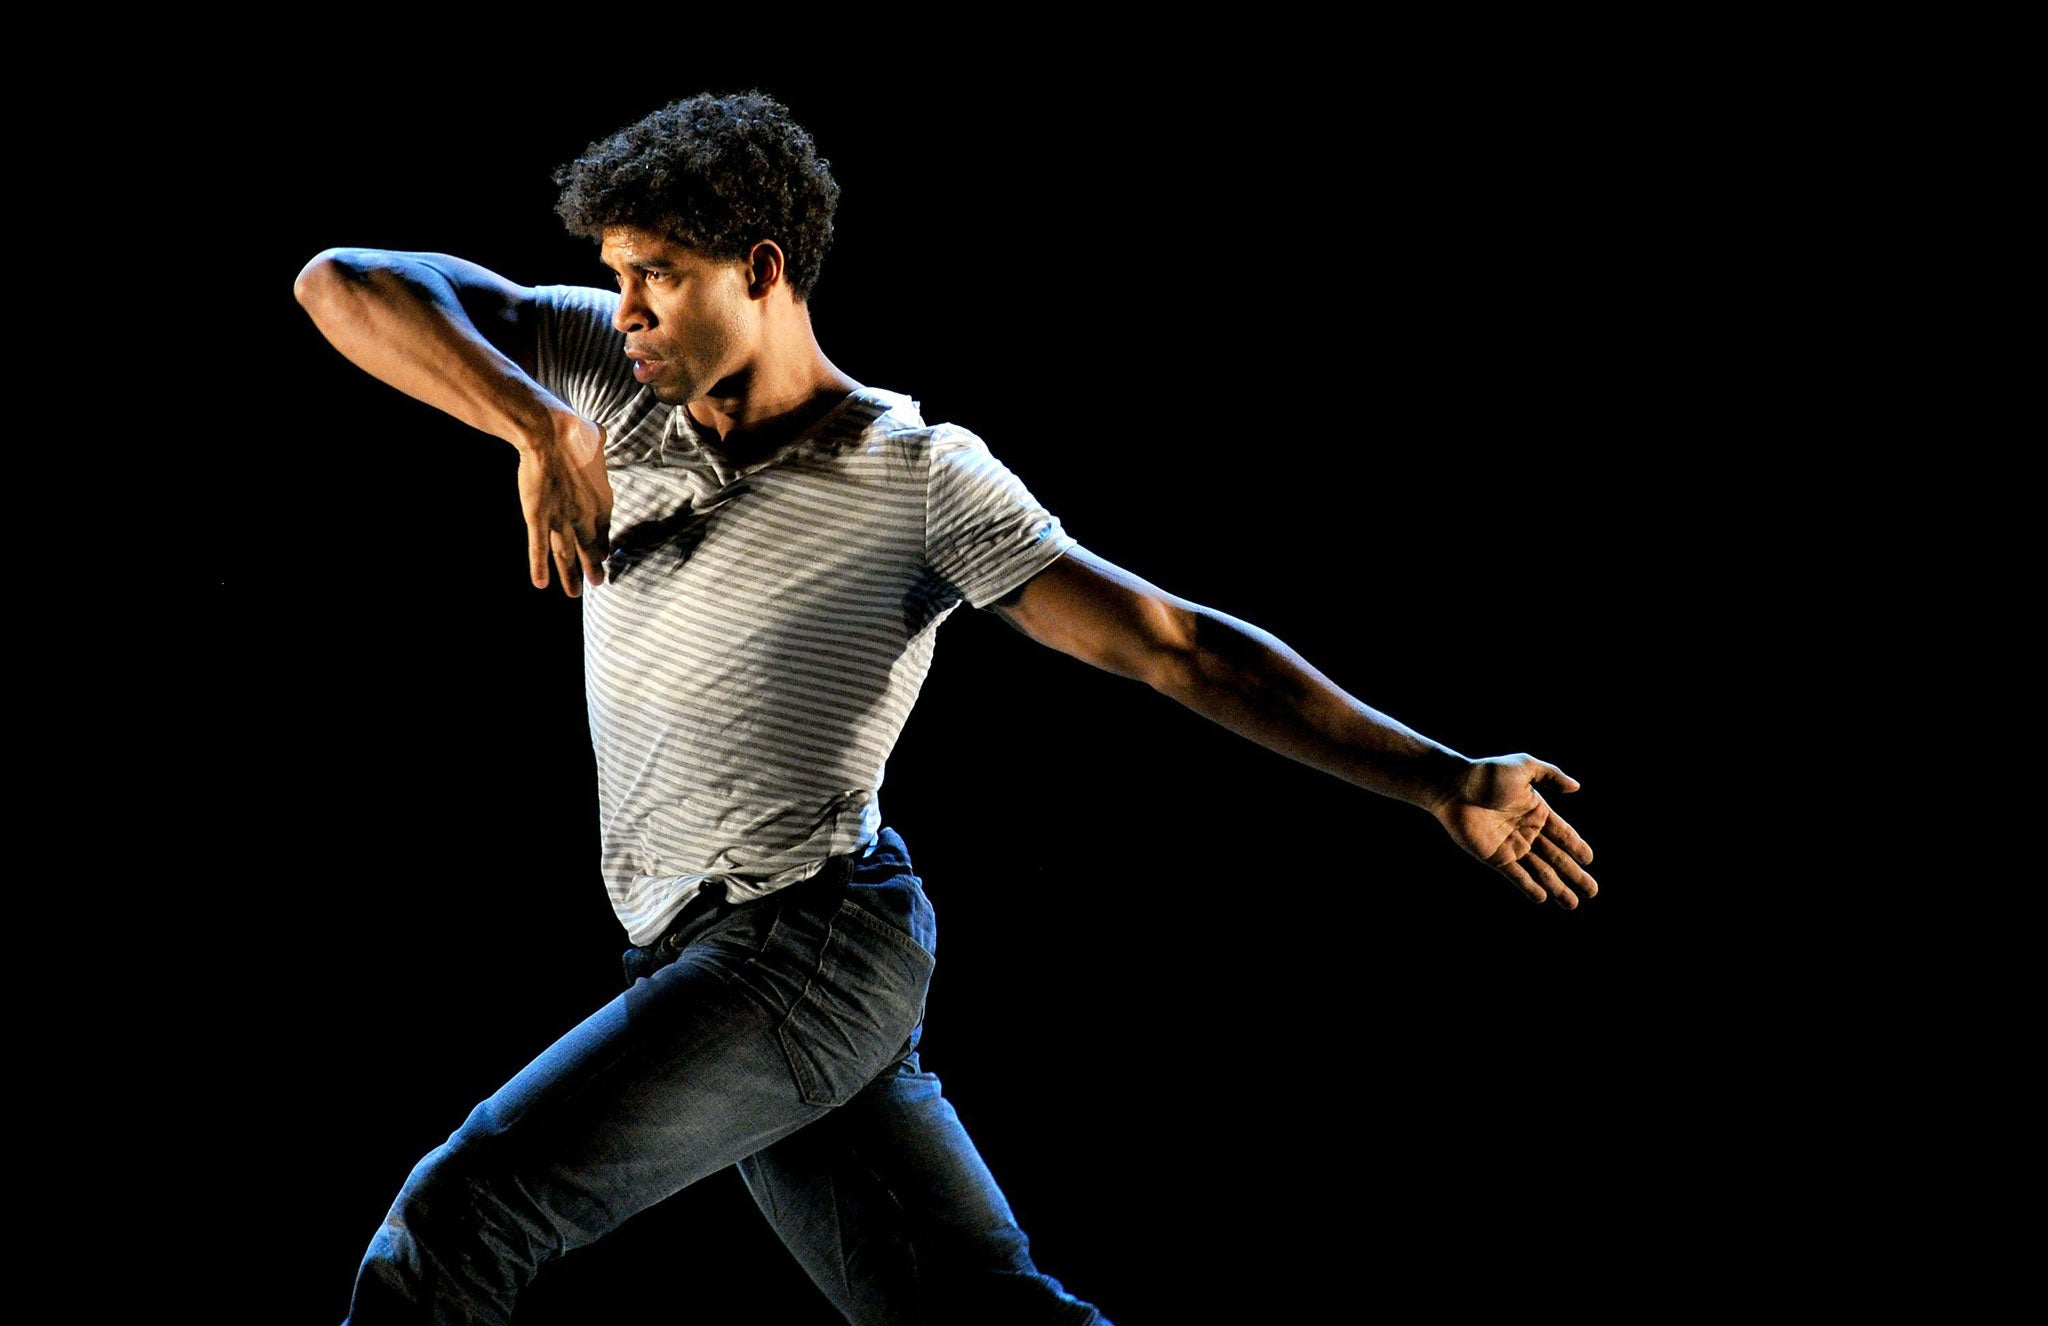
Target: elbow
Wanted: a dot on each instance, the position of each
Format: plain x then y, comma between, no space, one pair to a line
1206,654
1170,657
319,280
332,275
1176,674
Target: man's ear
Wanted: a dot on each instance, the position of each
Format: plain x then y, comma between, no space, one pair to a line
764,268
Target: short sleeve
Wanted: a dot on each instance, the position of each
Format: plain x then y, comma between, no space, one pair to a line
580,354
985,534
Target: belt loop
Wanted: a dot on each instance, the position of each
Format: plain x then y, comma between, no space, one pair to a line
842,866
710,893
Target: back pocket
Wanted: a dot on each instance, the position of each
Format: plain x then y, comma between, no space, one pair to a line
857,1013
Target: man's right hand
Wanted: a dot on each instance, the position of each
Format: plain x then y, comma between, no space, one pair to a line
567,501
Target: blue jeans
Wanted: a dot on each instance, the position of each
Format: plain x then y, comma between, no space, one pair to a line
777,1035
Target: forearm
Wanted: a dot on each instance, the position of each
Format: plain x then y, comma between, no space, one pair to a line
1249,681
400,318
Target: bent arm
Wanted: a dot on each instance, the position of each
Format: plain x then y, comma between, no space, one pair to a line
461,338
418,320
1249,681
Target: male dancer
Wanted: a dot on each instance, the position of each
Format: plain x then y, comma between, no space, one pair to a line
765,549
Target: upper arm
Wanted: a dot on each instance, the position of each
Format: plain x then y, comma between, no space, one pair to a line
1096,611
502,311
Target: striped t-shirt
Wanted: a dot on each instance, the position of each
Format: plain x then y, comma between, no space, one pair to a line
763,631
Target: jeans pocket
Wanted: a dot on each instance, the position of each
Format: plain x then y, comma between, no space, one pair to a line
858,1011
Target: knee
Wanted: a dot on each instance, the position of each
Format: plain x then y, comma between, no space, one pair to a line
465,1214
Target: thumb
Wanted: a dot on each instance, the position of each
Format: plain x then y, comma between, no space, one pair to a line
1543,772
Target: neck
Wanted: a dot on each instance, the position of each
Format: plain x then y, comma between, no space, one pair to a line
784,391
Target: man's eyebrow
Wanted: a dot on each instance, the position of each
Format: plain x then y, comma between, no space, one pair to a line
648,264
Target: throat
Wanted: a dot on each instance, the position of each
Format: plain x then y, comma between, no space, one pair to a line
744,443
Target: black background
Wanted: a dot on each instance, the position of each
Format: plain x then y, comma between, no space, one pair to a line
1398,357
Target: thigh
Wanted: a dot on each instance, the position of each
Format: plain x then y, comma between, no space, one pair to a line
673,1080
677,1078
769,1014
764,1020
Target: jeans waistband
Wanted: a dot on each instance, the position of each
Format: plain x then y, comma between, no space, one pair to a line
710,896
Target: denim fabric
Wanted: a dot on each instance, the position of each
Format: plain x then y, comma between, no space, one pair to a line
778,1035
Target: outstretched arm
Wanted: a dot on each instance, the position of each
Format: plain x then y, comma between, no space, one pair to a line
459,337
1250,682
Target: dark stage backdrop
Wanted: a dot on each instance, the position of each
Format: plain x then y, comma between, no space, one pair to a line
1369,361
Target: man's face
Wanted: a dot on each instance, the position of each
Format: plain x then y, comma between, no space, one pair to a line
688,321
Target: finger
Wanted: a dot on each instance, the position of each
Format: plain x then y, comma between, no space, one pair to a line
1520,878
537,555
1540,870
1550,773
596,547
566,562
1566,836
1568,869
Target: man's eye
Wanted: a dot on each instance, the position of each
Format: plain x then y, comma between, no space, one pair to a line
654,276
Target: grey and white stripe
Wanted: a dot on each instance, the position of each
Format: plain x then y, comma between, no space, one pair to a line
763,631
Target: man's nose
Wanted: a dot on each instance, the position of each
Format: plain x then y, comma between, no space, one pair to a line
633,314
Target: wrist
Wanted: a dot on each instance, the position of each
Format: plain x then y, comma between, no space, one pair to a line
1440,777
550,428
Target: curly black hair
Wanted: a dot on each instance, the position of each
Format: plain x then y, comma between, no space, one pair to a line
714,173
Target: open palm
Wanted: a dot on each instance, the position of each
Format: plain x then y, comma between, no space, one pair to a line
1499,816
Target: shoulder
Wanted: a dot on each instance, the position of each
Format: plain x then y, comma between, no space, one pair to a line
879,425
895,421
572,305
578,354
572,324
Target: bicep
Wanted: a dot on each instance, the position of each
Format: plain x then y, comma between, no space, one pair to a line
1096,611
